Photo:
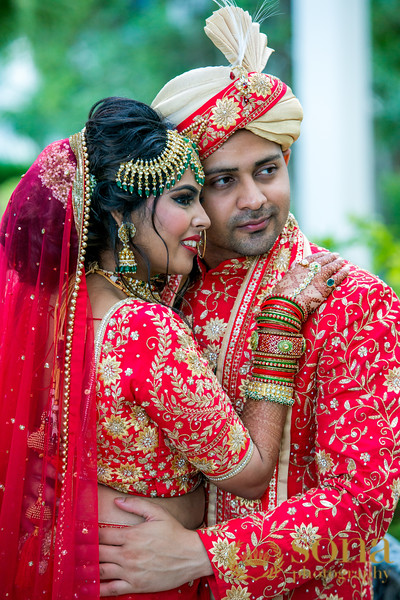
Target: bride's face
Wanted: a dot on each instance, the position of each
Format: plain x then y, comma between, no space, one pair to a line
178,221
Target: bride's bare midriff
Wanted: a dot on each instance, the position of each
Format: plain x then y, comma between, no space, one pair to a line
187,509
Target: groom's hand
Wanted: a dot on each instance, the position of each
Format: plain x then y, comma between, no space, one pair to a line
156,555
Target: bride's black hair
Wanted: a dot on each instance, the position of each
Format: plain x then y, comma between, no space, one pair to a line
118,130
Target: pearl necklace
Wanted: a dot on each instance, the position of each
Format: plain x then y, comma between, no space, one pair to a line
134,288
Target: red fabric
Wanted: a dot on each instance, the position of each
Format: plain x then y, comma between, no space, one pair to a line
246,99
343,480
196,590
48,528
162,416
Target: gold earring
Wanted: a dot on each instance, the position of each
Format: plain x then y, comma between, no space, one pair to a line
126,258
202,244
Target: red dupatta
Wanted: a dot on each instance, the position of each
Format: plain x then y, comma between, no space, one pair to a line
48,484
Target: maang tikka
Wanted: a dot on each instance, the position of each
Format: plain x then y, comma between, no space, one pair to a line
126,258
152,176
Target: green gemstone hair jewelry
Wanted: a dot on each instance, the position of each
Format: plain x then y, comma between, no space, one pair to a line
152,176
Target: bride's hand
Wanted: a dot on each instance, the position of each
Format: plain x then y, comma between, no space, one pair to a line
312,280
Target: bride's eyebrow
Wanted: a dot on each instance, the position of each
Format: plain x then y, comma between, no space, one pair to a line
179,188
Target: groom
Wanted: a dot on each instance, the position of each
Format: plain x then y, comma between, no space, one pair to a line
336,483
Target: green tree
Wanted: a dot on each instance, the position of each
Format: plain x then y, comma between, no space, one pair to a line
88,50
385,20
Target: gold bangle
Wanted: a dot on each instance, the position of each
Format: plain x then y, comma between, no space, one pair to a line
278,345
260,391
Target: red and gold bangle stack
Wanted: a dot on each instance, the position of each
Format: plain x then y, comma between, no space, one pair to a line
277,345
278,312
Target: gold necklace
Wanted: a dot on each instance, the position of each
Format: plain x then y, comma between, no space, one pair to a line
134,288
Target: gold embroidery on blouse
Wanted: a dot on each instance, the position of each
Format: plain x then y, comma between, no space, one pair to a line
128,440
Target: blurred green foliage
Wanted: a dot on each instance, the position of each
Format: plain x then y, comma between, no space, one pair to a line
382,235
394,528
385,21
89,49
382,243
86,50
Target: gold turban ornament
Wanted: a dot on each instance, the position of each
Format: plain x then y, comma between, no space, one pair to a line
209,104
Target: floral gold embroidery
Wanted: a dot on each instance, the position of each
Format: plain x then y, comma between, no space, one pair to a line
237,439
282,261
225,553
139,416
128,473
215,329
147,439
116,426
305,536
179,464
103,471
393,380
109,370
225,113
260,84
204,464
237,593
324,461
196,364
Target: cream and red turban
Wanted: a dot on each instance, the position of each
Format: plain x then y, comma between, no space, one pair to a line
209,104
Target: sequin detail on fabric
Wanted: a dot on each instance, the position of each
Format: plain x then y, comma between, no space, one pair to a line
56,171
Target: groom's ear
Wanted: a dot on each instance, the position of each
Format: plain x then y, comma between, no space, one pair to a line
286,156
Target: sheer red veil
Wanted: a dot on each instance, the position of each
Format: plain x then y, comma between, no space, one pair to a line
48,485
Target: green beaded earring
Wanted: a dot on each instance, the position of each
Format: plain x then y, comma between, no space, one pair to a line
126,258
